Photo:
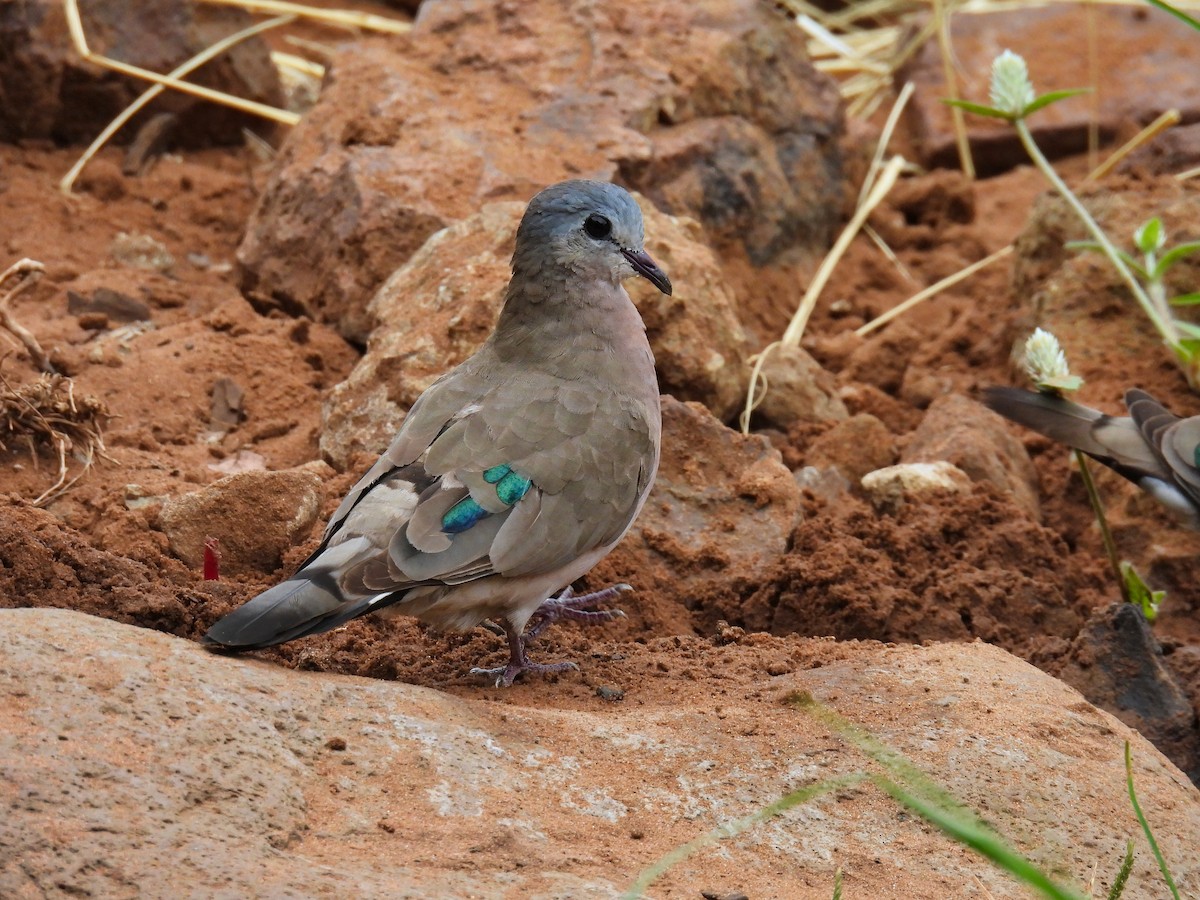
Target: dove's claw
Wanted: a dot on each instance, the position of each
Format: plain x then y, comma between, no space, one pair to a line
578,609
565,606
506,675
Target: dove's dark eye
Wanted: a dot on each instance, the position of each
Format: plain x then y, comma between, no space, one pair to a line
597,226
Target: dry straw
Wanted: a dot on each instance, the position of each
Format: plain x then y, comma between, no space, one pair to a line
285,13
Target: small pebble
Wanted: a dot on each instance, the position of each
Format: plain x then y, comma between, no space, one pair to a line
612,694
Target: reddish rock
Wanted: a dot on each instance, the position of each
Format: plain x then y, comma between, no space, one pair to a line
1155,73
977,441
855,446
798,390
256,516
711,110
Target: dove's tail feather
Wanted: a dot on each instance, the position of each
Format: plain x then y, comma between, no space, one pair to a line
1118,443
1056,418
310,602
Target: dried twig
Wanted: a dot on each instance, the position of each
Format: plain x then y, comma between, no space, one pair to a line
25,273
46,414
79,39
185,69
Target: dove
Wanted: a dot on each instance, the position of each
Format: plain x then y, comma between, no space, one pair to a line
514,473
1152,447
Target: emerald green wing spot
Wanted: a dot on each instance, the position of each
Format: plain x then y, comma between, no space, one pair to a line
495,473
511,488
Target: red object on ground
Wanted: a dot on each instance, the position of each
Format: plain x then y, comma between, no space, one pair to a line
212,559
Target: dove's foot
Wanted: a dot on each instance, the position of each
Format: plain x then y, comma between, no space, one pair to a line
565,606
518,662
577,609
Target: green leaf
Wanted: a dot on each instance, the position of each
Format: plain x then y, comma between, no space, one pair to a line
1150,236
1139,594
1177,13
1059,384
1175,254
979,109
1192,341
1118,885
1053,97
1192,299
1099,248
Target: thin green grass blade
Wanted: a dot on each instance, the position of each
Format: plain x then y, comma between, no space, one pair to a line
651,873
1177,13
1162,863
934,803
980,839
978,109
1053,97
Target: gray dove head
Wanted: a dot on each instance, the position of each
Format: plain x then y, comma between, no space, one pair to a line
592,229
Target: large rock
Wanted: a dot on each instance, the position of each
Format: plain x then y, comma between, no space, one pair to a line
48,91
256,516
960,431
137,764
437,309
719,518
710,109
1117,663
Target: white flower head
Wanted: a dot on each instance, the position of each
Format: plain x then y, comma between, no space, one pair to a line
1011,90
1047,364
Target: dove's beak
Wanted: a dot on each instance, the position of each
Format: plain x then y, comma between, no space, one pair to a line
645,266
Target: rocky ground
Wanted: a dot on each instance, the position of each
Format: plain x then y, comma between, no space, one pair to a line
257,327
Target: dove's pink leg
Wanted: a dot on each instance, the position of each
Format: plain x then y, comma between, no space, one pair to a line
565,606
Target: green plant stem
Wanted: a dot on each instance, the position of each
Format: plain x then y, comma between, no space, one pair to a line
1162,863
1110,546
1165,326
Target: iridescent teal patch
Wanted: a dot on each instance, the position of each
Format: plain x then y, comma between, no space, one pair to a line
511,488
462,515
495,473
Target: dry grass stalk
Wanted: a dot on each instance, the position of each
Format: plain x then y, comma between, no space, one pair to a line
137,105
795,330
1169,119
22,275
79,39
343,17
941,16
932,290
46,415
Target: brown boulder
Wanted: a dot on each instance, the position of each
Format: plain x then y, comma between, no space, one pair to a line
712,110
